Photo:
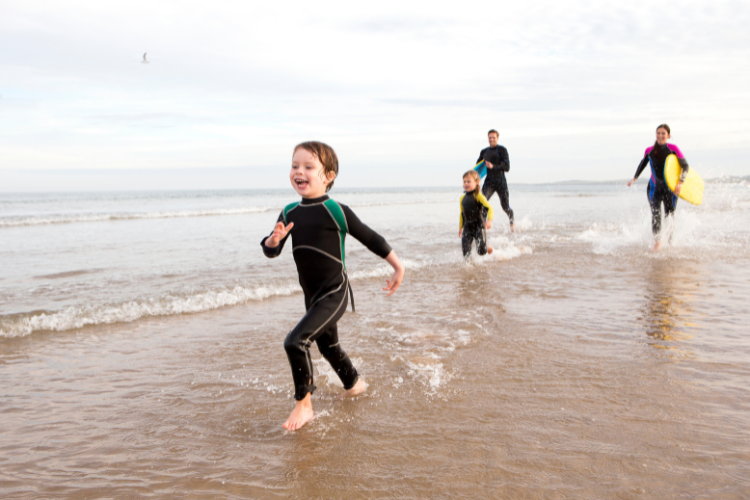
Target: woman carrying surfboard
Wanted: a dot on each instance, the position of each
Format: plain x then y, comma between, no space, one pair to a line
658,191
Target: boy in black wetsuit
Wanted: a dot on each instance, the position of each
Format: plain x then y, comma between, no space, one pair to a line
473,221
497,161
318,226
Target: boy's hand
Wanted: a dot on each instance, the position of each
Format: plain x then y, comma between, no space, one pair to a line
279,232
398,273
460,232
488,224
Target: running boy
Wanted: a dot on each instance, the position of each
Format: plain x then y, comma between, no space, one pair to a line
318,226
471,225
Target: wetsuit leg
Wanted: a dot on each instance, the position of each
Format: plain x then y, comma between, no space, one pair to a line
487,190
472,233
658,195
466,240
328,345
318,320
505,202
481,236
490,189
654,200
670,204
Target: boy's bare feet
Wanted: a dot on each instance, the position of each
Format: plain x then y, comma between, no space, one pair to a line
512,228
358,389
301,415
657,246
489,250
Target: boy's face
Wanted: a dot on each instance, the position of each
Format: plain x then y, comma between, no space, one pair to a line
307,175
469,184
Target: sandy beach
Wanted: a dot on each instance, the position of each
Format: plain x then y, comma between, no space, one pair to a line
573,364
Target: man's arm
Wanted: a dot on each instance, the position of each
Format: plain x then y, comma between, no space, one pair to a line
481,155
504,163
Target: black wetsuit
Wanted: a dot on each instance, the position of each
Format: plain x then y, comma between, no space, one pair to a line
320,226
495,181
473,216
658,191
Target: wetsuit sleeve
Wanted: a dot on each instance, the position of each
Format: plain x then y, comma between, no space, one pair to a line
642,164
274,252
486,204
461,214
681,159
504,163
369,238
481,155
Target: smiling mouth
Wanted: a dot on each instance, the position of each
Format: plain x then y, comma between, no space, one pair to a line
301,183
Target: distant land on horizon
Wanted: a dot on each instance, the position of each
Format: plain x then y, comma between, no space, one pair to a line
245,178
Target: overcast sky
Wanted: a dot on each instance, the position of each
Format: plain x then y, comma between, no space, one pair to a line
404,91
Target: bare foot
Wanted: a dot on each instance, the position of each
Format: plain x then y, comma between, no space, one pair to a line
512,228
657,246
358,389
489,250
301,415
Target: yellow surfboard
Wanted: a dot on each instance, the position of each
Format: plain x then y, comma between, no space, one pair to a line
692,187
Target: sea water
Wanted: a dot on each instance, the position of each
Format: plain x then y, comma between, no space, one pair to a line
141,349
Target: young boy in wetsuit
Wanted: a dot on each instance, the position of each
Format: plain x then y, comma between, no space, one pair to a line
318,226
472,224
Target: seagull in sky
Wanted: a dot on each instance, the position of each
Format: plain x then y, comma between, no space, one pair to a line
144,58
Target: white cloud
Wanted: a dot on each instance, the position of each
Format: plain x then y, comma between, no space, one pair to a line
576,88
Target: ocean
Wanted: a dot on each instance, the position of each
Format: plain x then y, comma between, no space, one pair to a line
141,349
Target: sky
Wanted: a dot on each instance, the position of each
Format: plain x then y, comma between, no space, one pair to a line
405,92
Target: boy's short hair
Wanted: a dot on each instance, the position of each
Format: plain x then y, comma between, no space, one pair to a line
325,155
493,131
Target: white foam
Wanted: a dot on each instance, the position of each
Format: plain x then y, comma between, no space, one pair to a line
524,224
505,249
431,374
608,238
73,218
167,305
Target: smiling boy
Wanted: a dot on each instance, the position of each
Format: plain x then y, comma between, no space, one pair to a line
318,226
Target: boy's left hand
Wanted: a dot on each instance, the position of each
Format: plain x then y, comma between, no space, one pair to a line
488,224
398,273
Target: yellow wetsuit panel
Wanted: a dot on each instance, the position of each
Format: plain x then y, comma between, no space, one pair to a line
481,199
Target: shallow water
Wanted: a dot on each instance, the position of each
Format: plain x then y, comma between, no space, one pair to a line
573,363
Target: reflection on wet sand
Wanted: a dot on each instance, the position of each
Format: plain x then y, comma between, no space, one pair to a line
670,292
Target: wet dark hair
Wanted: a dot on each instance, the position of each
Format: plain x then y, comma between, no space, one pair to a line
325,154
474,175
493,131
665,127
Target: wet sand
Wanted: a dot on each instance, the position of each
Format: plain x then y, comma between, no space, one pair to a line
546,376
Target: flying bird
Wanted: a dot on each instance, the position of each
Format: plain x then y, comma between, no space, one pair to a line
144,58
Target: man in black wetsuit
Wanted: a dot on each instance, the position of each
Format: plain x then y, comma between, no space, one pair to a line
497,161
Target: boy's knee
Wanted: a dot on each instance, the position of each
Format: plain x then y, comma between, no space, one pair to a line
293,343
